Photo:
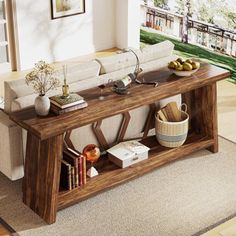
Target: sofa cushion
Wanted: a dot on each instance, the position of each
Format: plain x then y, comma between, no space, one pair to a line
76,72
157,64
116,75
80,71
23,102
146,67
85,134
117,62
84,84
10,93
125,60
28,100
156,51
11,158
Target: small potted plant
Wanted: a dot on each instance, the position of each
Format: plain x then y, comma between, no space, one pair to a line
42,78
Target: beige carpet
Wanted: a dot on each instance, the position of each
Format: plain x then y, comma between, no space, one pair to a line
178,199
227,109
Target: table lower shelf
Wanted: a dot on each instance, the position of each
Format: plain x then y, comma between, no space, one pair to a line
110,175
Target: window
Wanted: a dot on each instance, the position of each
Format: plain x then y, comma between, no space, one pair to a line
6,37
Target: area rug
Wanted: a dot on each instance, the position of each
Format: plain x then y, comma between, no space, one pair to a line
178,199
226,101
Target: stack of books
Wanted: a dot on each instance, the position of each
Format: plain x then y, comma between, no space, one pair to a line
60,105
73,169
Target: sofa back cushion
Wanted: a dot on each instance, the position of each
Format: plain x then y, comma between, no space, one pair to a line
15,89
122,61
80,71
117,62
28,100
157,51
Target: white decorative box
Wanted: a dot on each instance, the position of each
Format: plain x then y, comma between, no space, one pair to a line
128,153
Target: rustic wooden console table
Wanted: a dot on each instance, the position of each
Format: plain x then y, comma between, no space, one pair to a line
45,136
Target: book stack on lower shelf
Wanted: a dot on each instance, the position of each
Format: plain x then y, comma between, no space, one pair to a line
60,104
73,169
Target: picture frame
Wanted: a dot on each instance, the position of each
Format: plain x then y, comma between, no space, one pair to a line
65,8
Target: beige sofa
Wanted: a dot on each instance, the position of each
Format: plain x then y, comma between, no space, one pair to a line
80,76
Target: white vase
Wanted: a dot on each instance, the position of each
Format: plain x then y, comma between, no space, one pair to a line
42,105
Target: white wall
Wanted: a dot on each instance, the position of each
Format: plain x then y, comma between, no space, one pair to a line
39,37
121,23
127,23
134,23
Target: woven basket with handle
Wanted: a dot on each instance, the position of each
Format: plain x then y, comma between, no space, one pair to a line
172,134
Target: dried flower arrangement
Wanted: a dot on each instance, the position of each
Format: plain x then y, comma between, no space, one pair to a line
42,78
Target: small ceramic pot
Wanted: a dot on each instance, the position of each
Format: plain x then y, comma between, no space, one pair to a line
42,105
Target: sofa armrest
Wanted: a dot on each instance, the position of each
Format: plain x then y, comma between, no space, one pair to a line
11,148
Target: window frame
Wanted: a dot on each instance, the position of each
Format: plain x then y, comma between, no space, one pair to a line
7,22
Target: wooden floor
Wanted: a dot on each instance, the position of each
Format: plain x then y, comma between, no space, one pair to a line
3,231
226,229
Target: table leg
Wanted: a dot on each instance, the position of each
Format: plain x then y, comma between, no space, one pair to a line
206,101
42,175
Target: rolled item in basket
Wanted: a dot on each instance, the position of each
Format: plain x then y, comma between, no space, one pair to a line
171,112
162,115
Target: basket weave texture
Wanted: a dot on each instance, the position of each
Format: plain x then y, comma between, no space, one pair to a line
172,134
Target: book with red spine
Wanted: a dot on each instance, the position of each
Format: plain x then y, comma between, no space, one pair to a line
81,166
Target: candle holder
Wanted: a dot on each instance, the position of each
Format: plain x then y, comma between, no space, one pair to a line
65,86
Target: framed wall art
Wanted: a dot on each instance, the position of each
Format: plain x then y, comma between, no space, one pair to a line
64,8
